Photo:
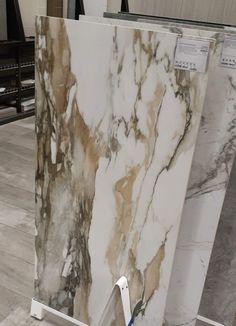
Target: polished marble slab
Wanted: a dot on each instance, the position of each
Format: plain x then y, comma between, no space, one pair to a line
154,7
219,295
215,11
212,164
116,129
158,7
207,188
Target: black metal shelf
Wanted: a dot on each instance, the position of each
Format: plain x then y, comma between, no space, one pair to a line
15,66
9,91
27,88
14,90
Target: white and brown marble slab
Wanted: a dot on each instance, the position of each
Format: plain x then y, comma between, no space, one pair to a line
116,130
211,168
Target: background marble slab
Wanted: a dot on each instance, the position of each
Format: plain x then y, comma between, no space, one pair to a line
219,296
157,7
116,129
212,163
207,187
216,11
160,7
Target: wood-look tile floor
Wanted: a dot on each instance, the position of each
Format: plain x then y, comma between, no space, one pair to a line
17,156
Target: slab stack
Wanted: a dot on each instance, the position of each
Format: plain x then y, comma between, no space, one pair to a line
212,165
119,106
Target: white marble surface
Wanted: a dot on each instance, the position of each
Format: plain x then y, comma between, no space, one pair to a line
116,130
212,164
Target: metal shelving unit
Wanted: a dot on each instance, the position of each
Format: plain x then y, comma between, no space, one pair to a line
16,64
12,74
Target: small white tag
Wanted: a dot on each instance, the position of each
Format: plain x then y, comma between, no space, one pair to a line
191,54
228,56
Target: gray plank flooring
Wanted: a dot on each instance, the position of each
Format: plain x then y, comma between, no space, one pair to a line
16,216
20,317
17,160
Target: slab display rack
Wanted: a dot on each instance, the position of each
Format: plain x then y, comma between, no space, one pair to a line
39,310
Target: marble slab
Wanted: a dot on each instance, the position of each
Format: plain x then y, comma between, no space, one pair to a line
212,164
219,295
154,7
116,129
216,11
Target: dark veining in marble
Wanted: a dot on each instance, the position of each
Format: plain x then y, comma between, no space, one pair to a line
142,289
50,124
64,139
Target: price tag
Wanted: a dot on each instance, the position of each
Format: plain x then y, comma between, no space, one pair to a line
228,56
192,54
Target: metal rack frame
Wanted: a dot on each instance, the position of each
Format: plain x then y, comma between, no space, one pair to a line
39,310
124,6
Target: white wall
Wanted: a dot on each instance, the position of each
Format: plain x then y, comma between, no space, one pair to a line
95,7
65,6
29,9
92,7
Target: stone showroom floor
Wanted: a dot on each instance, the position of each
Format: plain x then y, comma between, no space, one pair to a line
17,223
17,160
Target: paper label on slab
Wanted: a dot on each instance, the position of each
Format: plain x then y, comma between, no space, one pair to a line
228,56
192,54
